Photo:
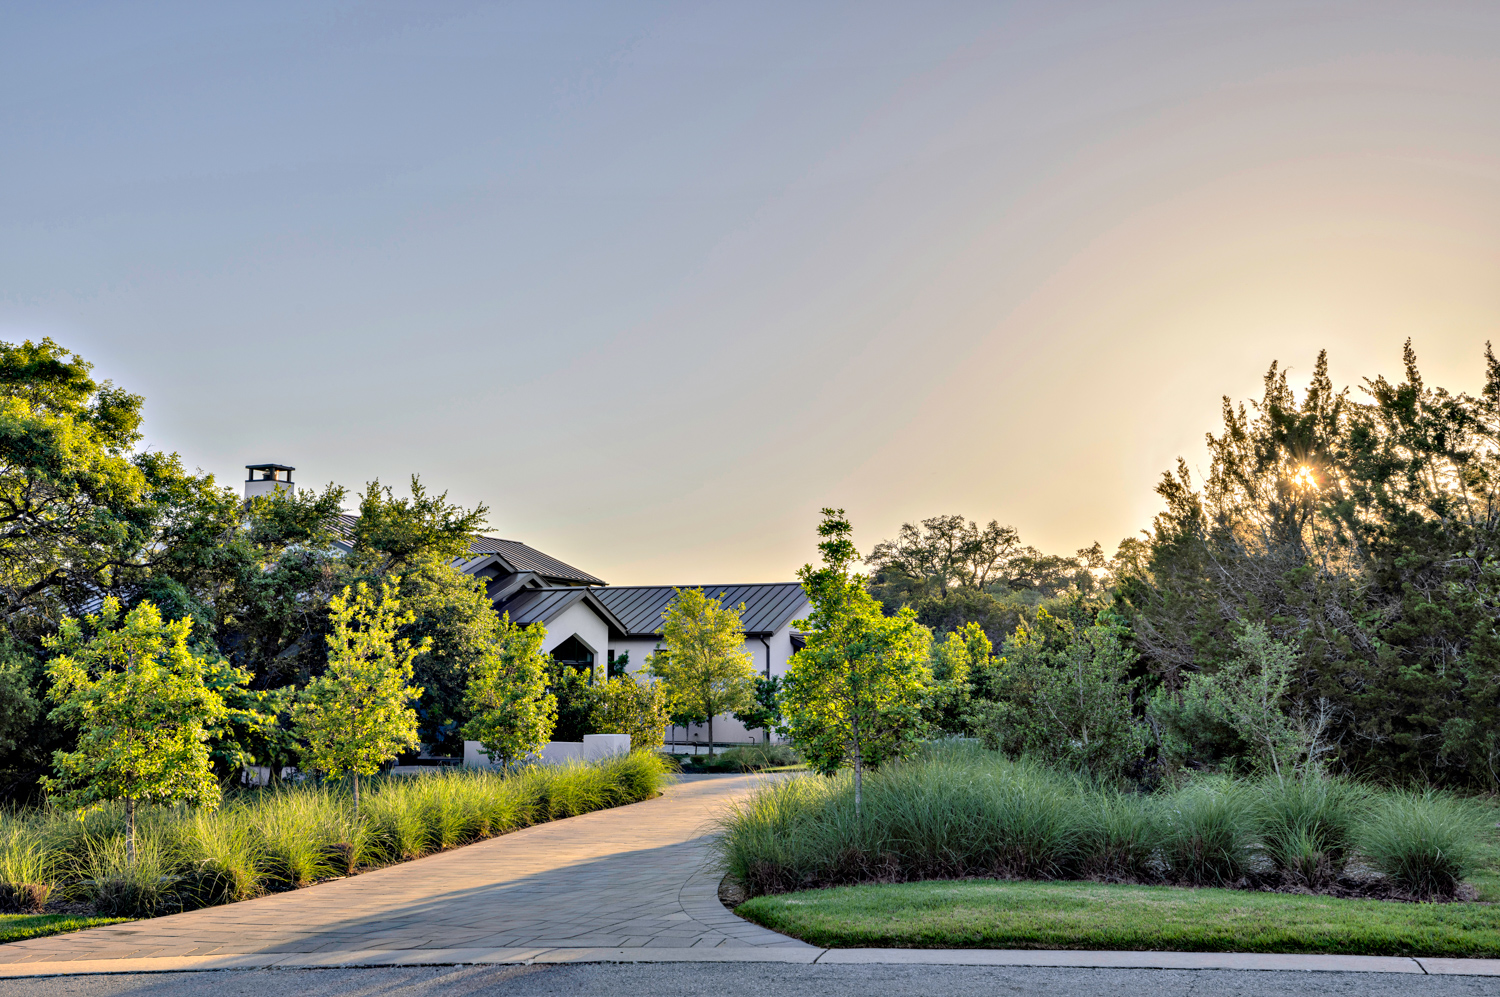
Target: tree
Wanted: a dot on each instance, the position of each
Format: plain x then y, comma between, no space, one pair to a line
955,662
1365,535
575,696
623,705
136,694
390,534
83,514
855,692
1246,695
1065,692
357,714
764,711
511,712
701,661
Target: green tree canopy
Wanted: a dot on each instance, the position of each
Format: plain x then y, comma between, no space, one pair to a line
855,693
1364,535
358,714
625,705
511,712
136,694
701,660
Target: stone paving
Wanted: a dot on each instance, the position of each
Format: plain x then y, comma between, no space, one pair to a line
633,884
632,877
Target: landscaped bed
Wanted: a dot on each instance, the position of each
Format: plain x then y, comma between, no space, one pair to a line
56,862
1022,915
964,847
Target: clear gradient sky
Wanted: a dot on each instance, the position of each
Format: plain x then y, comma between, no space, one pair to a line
657,281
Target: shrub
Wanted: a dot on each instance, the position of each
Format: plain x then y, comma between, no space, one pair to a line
1064,691
626,705
1426,842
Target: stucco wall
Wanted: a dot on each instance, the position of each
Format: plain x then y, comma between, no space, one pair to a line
581,621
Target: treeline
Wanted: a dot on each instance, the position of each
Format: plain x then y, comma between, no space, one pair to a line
90,519
1327,597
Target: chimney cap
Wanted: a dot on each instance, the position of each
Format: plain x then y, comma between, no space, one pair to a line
269,467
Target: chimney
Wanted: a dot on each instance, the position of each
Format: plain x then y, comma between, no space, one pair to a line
266,479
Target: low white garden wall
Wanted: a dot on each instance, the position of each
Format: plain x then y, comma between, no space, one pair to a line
592,748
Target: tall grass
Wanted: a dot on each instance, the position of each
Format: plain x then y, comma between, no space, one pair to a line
26,867
1426,841
961,811
290,836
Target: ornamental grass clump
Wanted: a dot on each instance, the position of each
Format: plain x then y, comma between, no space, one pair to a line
950,814
142,884
223,856
309,833
957,812
1425,841
1308,825
1210,828
290,836
1124,837
26,868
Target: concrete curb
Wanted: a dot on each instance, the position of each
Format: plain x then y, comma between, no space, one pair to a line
797,954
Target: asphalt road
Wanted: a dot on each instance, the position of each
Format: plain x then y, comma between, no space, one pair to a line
749,980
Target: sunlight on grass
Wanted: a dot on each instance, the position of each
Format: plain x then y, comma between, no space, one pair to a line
15,927
995,914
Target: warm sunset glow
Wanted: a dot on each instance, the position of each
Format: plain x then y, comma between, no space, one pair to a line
657,282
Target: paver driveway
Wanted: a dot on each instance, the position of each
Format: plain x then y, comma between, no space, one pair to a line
617,879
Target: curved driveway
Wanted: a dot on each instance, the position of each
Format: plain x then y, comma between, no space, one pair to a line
591,887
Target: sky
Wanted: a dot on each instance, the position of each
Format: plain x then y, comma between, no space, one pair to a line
657,281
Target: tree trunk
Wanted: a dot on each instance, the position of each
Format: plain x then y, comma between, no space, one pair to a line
130,832
859,771
356,796
710,735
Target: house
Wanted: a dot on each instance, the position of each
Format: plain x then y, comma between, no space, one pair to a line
609,629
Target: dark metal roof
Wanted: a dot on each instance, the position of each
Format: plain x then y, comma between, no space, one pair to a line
768,607
519,556
524,558
542,605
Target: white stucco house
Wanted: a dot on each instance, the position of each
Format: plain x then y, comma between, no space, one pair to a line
593,625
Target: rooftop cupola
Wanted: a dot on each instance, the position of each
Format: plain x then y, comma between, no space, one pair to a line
265,479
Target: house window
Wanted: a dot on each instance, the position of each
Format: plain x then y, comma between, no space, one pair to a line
618,665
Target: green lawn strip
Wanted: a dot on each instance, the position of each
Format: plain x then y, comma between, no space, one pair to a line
14,927
1025,915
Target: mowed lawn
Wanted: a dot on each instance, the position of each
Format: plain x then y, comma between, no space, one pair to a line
1072,915
14,927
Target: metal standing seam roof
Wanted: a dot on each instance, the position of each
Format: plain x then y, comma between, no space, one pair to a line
525,558
541,605
517,554
768,607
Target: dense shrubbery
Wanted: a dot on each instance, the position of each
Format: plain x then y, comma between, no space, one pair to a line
1323,598
274,839
962,812
743,758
